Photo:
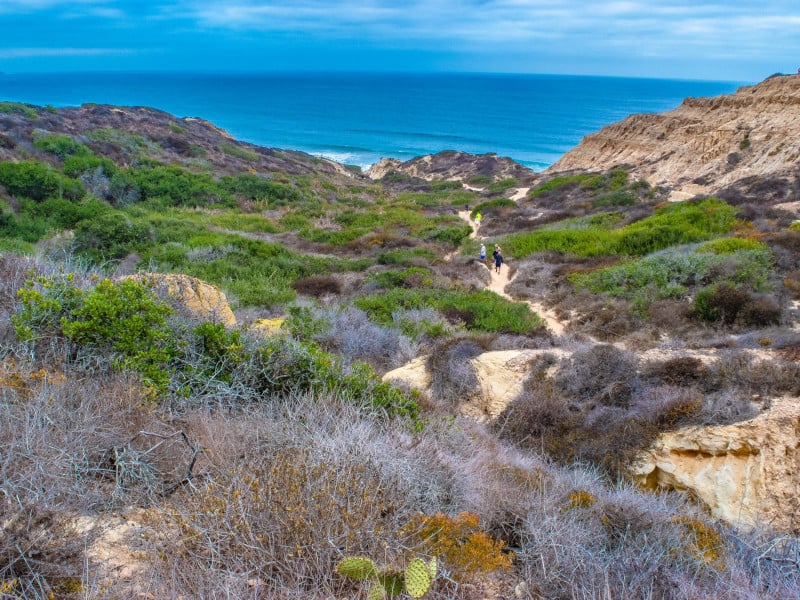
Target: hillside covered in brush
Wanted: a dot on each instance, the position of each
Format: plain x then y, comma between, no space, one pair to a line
245,449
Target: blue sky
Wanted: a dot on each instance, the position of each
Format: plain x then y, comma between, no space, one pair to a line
734,40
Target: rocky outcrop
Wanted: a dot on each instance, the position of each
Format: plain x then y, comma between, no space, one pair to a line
196,298
454,166
500,376
705,143
747,474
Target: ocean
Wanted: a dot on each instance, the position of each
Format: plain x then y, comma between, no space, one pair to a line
357,118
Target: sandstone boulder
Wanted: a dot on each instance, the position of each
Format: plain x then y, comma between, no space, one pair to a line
198,299
500,376
747,474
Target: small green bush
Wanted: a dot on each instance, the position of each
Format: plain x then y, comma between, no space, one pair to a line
60,145
502,185
405,257
260,189
38,181
122,321
77,164
239,152
680,223
413,277
481,311
28,110
109,235
485,207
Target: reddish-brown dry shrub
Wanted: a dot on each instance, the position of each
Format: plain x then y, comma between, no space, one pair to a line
317,286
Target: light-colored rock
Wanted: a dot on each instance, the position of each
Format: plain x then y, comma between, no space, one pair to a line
269,327
500,376
381,168
201,300
747,474
705,143
450,165
414,373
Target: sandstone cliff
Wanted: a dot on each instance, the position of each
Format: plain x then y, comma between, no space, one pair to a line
705,143
746,474
454,166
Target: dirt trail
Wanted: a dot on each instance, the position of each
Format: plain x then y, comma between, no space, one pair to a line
502,279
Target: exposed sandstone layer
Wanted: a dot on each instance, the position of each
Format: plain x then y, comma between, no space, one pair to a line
705,143
747,474
500,376
199,299
454,166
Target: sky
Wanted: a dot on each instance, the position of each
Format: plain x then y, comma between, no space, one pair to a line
734,40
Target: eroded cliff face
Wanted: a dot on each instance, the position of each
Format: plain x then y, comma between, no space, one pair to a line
454,166
747,474
705,143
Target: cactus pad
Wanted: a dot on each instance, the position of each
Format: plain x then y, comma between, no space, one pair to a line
417,578
357,567
377,592
392,582
433,567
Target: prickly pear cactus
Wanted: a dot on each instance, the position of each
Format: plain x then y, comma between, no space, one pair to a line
392,582
377,592
357,567
417,578
433,567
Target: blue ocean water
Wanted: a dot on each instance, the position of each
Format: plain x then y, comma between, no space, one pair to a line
357,118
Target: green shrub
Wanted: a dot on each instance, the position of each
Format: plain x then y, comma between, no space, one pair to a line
730,245
484,207
413,277
720,303
28,110
178,186
60,145
130,143
479,180
124,320
109,235
671,273
239,152
78,164
564,181
38,181
452,236
260,189
405,257
680,223
502,185
481,311
121,321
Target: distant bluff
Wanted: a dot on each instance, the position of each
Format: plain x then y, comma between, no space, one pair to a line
704,145
123,133
451,165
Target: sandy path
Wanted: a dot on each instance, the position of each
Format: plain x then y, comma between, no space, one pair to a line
502,279
520,194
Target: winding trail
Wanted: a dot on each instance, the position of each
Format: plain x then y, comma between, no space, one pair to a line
500,280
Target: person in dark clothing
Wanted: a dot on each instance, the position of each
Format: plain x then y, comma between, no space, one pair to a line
498,258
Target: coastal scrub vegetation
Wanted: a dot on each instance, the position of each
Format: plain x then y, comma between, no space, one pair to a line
249,462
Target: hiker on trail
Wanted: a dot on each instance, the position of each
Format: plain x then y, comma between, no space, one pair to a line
483,253
498,258
478,219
